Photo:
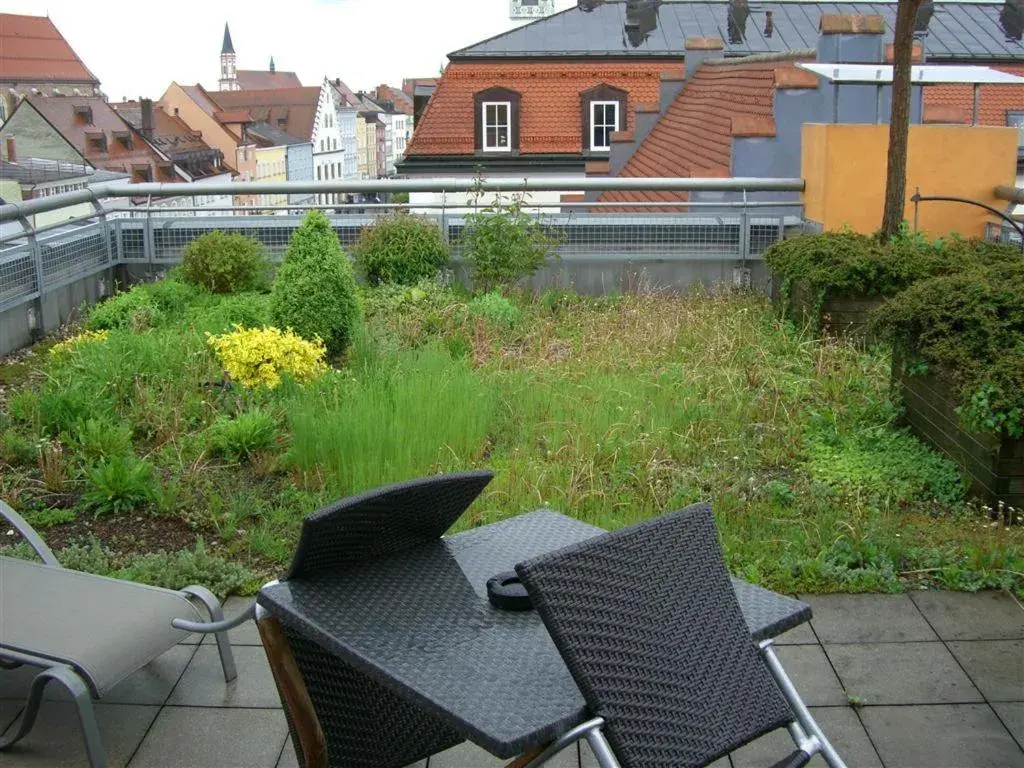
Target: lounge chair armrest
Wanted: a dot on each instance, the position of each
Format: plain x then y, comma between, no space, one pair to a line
207,627
29,534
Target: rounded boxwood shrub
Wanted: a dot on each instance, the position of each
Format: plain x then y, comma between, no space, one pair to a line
222,263
315,293
400,248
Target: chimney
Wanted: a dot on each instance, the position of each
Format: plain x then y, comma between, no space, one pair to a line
701,49
12,154
851,38
147,117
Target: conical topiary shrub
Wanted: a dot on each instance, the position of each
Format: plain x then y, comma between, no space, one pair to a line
315,292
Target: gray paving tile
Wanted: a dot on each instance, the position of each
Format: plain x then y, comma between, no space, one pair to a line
842,728
1012,715
246,634
150,685
867,619
56,739
203,684
809,669
950,736
200,737
465,755
9,711
587,759
995,666
800,635
901,673
288,756
989,615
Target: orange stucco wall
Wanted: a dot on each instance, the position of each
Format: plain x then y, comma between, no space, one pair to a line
214,134
843,167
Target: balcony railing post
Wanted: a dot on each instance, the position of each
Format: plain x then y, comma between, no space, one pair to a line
147,237
39,326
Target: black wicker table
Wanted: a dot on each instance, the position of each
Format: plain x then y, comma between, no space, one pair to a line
419,625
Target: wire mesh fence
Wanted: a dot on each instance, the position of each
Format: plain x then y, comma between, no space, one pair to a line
32,267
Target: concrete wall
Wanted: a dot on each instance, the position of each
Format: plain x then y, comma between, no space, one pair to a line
844,168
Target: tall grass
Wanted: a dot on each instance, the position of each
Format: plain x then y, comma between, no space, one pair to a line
399,417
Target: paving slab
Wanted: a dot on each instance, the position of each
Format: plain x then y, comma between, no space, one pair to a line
799,635
902,673
812,674
469,755
988,615
943,736
245,634
587,759
995,666
56,739
290,760
149,685
1012,715
867,619
203,684
217,737
9,711
842,728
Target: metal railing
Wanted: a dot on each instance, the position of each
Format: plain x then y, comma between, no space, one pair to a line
597,240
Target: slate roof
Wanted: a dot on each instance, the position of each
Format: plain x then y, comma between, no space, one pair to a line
265,79
955,30
32,49
269,136
722,100
550,120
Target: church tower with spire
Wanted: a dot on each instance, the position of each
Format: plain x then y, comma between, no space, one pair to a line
228,78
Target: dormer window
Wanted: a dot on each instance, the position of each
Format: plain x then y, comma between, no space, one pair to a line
83,114
604,121
124,138
97,140
496,124
603,113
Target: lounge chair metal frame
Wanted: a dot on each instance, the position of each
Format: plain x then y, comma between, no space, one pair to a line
78,685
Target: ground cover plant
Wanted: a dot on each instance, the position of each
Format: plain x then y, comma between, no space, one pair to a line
137,453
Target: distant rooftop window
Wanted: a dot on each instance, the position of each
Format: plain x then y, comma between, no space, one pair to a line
83,114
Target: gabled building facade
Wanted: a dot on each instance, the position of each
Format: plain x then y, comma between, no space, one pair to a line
36,60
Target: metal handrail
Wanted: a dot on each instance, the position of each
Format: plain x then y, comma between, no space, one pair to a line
97,192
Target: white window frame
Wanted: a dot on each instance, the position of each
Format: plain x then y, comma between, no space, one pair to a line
593,124
507,124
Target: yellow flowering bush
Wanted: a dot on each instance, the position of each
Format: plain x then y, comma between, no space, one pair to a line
72,343
257,357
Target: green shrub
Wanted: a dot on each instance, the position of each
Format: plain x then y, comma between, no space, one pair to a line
315,291
504,244
135,309
46,518
248,433
180,569
171,297
968,326
495,308
223,263
400,248
846,263
16,448
101,438
89,556
223,313
119,484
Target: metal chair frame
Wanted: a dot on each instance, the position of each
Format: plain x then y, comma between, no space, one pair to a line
65,675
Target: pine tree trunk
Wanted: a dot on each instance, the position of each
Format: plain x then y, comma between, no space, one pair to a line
899,120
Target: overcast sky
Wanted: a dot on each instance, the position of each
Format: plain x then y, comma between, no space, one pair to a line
139,48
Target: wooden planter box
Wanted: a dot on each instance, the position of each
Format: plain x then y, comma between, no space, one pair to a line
995,467
844,316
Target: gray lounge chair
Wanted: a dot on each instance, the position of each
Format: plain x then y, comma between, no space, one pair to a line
88,632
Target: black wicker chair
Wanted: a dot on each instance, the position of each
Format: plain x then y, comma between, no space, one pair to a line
337,715
648,624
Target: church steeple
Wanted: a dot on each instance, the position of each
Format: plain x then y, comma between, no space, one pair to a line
272,64
227,47
228,78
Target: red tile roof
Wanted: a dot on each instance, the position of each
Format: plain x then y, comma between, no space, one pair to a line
550,117
409,83
292,110
398,97
60,113
31,49
264,79
723,99
995,100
